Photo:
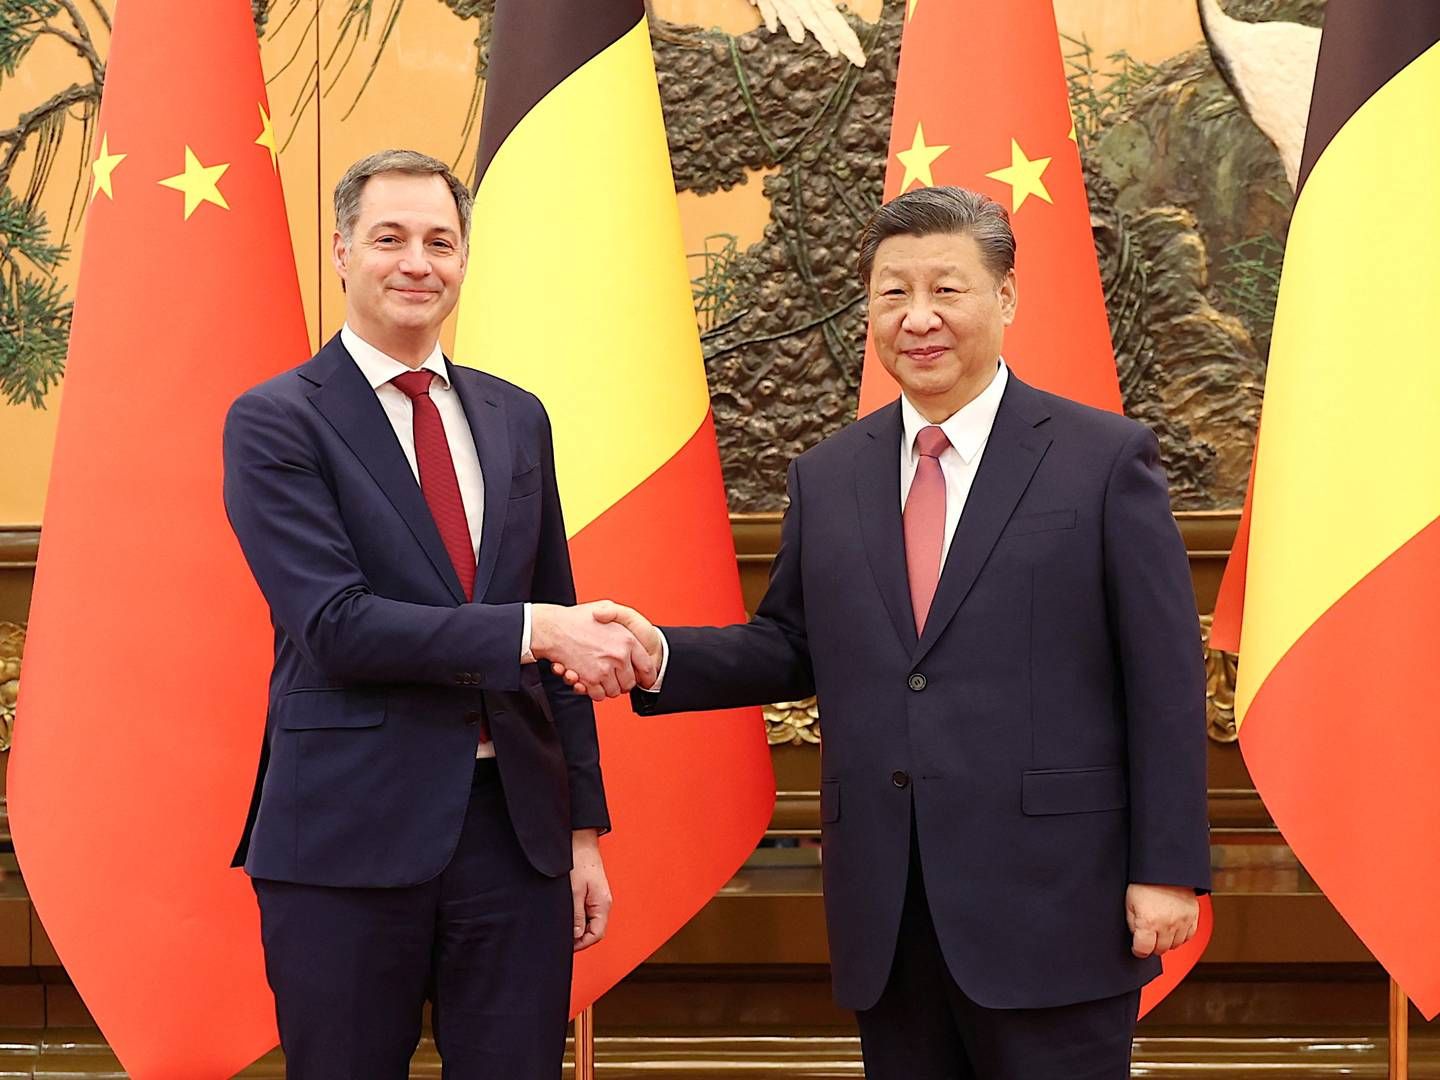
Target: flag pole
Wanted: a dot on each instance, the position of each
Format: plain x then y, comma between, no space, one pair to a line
585,1044
1399,1033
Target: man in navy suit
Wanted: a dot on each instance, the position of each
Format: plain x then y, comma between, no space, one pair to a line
984,585
426,816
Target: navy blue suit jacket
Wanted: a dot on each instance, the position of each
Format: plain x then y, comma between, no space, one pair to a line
1048,725
382,670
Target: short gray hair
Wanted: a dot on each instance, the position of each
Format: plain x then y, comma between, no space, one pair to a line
410,162
931,210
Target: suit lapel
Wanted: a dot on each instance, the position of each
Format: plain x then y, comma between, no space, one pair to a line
877,497
485,412
348,402
1012,454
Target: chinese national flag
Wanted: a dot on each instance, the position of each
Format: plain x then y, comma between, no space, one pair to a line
144,693
573,158
981,102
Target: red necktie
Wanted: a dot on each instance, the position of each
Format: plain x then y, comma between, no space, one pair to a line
924,521
437,477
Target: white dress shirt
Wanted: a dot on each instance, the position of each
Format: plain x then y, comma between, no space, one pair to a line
968,430
379,369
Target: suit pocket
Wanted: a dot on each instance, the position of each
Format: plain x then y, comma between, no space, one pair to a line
525,483
1034,523
1073,791
829,800
323,709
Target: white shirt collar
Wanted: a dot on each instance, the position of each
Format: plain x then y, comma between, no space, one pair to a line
969,426
379,368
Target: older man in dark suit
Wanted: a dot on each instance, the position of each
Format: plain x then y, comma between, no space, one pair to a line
985,586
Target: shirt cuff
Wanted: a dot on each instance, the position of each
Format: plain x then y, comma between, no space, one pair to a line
654,688
526,657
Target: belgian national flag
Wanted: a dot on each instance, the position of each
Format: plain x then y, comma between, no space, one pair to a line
577,290
1340,636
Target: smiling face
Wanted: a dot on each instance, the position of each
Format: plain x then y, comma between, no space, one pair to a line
937,318
403,263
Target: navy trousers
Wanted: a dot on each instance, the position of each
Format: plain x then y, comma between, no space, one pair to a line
488,943
924,1027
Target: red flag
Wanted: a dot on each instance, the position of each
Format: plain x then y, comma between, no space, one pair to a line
1230,600
144,700
981,102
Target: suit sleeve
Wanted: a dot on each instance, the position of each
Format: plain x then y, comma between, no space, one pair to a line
291,531
1157,633
554,583
754,663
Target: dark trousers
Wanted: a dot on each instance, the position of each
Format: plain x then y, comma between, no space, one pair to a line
924,1027
488,942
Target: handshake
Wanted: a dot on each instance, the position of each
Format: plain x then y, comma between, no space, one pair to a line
602,649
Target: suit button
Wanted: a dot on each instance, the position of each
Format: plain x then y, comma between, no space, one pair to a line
474,717
916,682
900,779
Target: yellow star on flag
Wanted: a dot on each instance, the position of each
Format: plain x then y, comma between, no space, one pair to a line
918,159
200,183
104,167
910,10
1025,177
267,139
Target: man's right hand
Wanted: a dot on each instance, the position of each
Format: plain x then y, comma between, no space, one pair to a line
643,631
587,640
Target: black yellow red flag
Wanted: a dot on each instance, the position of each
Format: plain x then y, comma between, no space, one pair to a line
143,701
1339,622
577,290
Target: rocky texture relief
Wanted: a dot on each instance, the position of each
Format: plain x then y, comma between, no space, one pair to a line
1189,202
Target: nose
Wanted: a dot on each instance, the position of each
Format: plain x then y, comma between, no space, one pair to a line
920,315
414,261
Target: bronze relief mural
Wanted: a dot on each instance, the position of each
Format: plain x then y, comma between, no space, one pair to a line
1188,188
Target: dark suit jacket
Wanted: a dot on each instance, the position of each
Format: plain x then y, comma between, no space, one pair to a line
1048,725
382,670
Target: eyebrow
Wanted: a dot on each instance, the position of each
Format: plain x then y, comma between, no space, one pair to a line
941,271
397,226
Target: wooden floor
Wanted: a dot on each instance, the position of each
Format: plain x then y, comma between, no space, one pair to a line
79,1054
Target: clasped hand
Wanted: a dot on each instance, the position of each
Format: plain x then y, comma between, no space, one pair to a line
601,649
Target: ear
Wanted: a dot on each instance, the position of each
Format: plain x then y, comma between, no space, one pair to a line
340,254
1009,296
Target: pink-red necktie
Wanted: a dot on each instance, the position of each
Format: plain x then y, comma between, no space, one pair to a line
924,521
437,477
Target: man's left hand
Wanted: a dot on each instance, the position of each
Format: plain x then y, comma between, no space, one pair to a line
1160,917
589,888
